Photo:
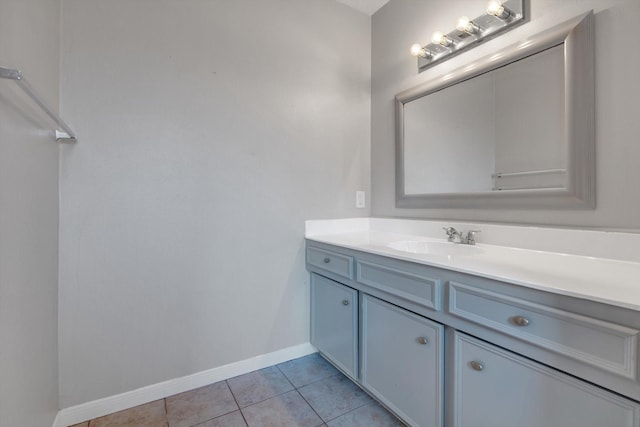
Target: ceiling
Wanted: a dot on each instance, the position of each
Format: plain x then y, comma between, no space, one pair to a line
365,6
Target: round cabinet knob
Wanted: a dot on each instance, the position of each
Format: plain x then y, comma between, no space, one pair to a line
327,260
345,302
422,340
520,321
476,366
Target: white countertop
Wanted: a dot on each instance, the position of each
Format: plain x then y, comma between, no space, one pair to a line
611,281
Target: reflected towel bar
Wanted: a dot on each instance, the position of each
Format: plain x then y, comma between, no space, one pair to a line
553,187
64,133
525,173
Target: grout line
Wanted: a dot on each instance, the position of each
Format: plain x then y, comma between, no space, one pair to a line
356,408
226,413
235,399
348,412
312,408
293,387
285,377
243,417
270,397
237,404
372,402
232,394
325,378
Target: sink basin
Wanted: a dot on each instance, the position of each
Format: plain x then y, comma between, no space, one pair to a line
435,248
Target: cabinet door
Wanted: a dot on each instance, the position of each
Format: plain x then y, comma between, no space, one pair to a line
494,387
334,322
402,361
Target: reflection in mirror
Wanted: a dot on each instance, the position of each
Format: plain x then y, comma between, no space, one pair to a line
449,139
515,129
502,130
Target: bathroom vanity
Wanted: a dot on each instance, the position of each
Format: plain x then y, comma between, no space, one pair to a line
478,336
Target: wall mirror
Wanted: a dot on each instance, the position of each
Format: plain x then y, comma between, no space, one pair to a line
512,130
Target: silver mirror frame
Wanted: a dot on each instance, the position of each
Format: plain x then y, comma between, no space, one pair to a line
578,39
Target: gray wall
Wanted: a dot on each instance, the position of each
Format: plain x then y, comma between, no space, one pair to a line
209,131
401,23
29,39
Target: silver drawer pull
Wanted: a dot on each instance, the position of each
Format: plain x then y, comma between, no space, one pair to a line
476,366
520,321
422,340
327,260
345,302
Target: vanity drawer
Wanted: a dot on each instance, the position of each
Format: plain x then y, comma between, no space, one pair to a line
493,387
414,287
592,341
336,263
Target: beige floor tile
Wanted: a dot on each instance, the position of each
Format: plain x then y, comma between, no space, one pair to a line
199,405
148,415
334,396
286,410
371,415
233,419
259,385
306,370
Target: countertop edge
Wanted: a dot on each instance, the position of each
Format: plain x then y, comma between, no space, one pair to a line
452,266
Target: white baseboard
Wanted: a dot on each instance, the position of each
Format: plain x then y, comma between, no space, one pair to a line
98,408
57,421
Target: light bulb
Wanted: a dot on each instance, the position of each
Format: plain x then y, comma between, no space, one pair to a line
466,25
441,39
437,37
417,50
496,9
494,6
463,22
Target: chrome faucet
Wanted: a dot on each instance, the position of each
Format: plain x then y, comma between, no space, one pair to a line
454,236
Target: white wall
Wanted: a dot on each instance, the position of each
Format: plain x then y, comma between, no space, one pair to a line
209,131
29,39
401,23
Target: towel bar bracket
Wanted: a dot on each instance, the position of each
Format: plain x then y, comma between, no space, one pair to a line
9,73
64,137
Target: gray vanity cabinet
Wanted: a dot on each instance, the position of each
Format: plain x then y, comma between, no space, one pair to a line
402,361
445,348
334,323
494,387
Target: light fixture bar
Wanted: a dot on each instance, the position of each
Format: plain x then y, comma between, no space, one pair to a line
501,16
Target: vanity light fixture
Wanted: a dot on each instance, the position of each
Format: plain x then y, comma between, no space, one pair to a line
500,16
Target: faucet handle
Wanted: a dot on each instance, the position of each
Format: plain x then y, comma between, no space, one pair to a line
471,236
452,233
449,230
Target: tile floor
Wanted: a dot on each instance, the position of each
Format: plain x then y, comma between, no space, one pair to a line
302,392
